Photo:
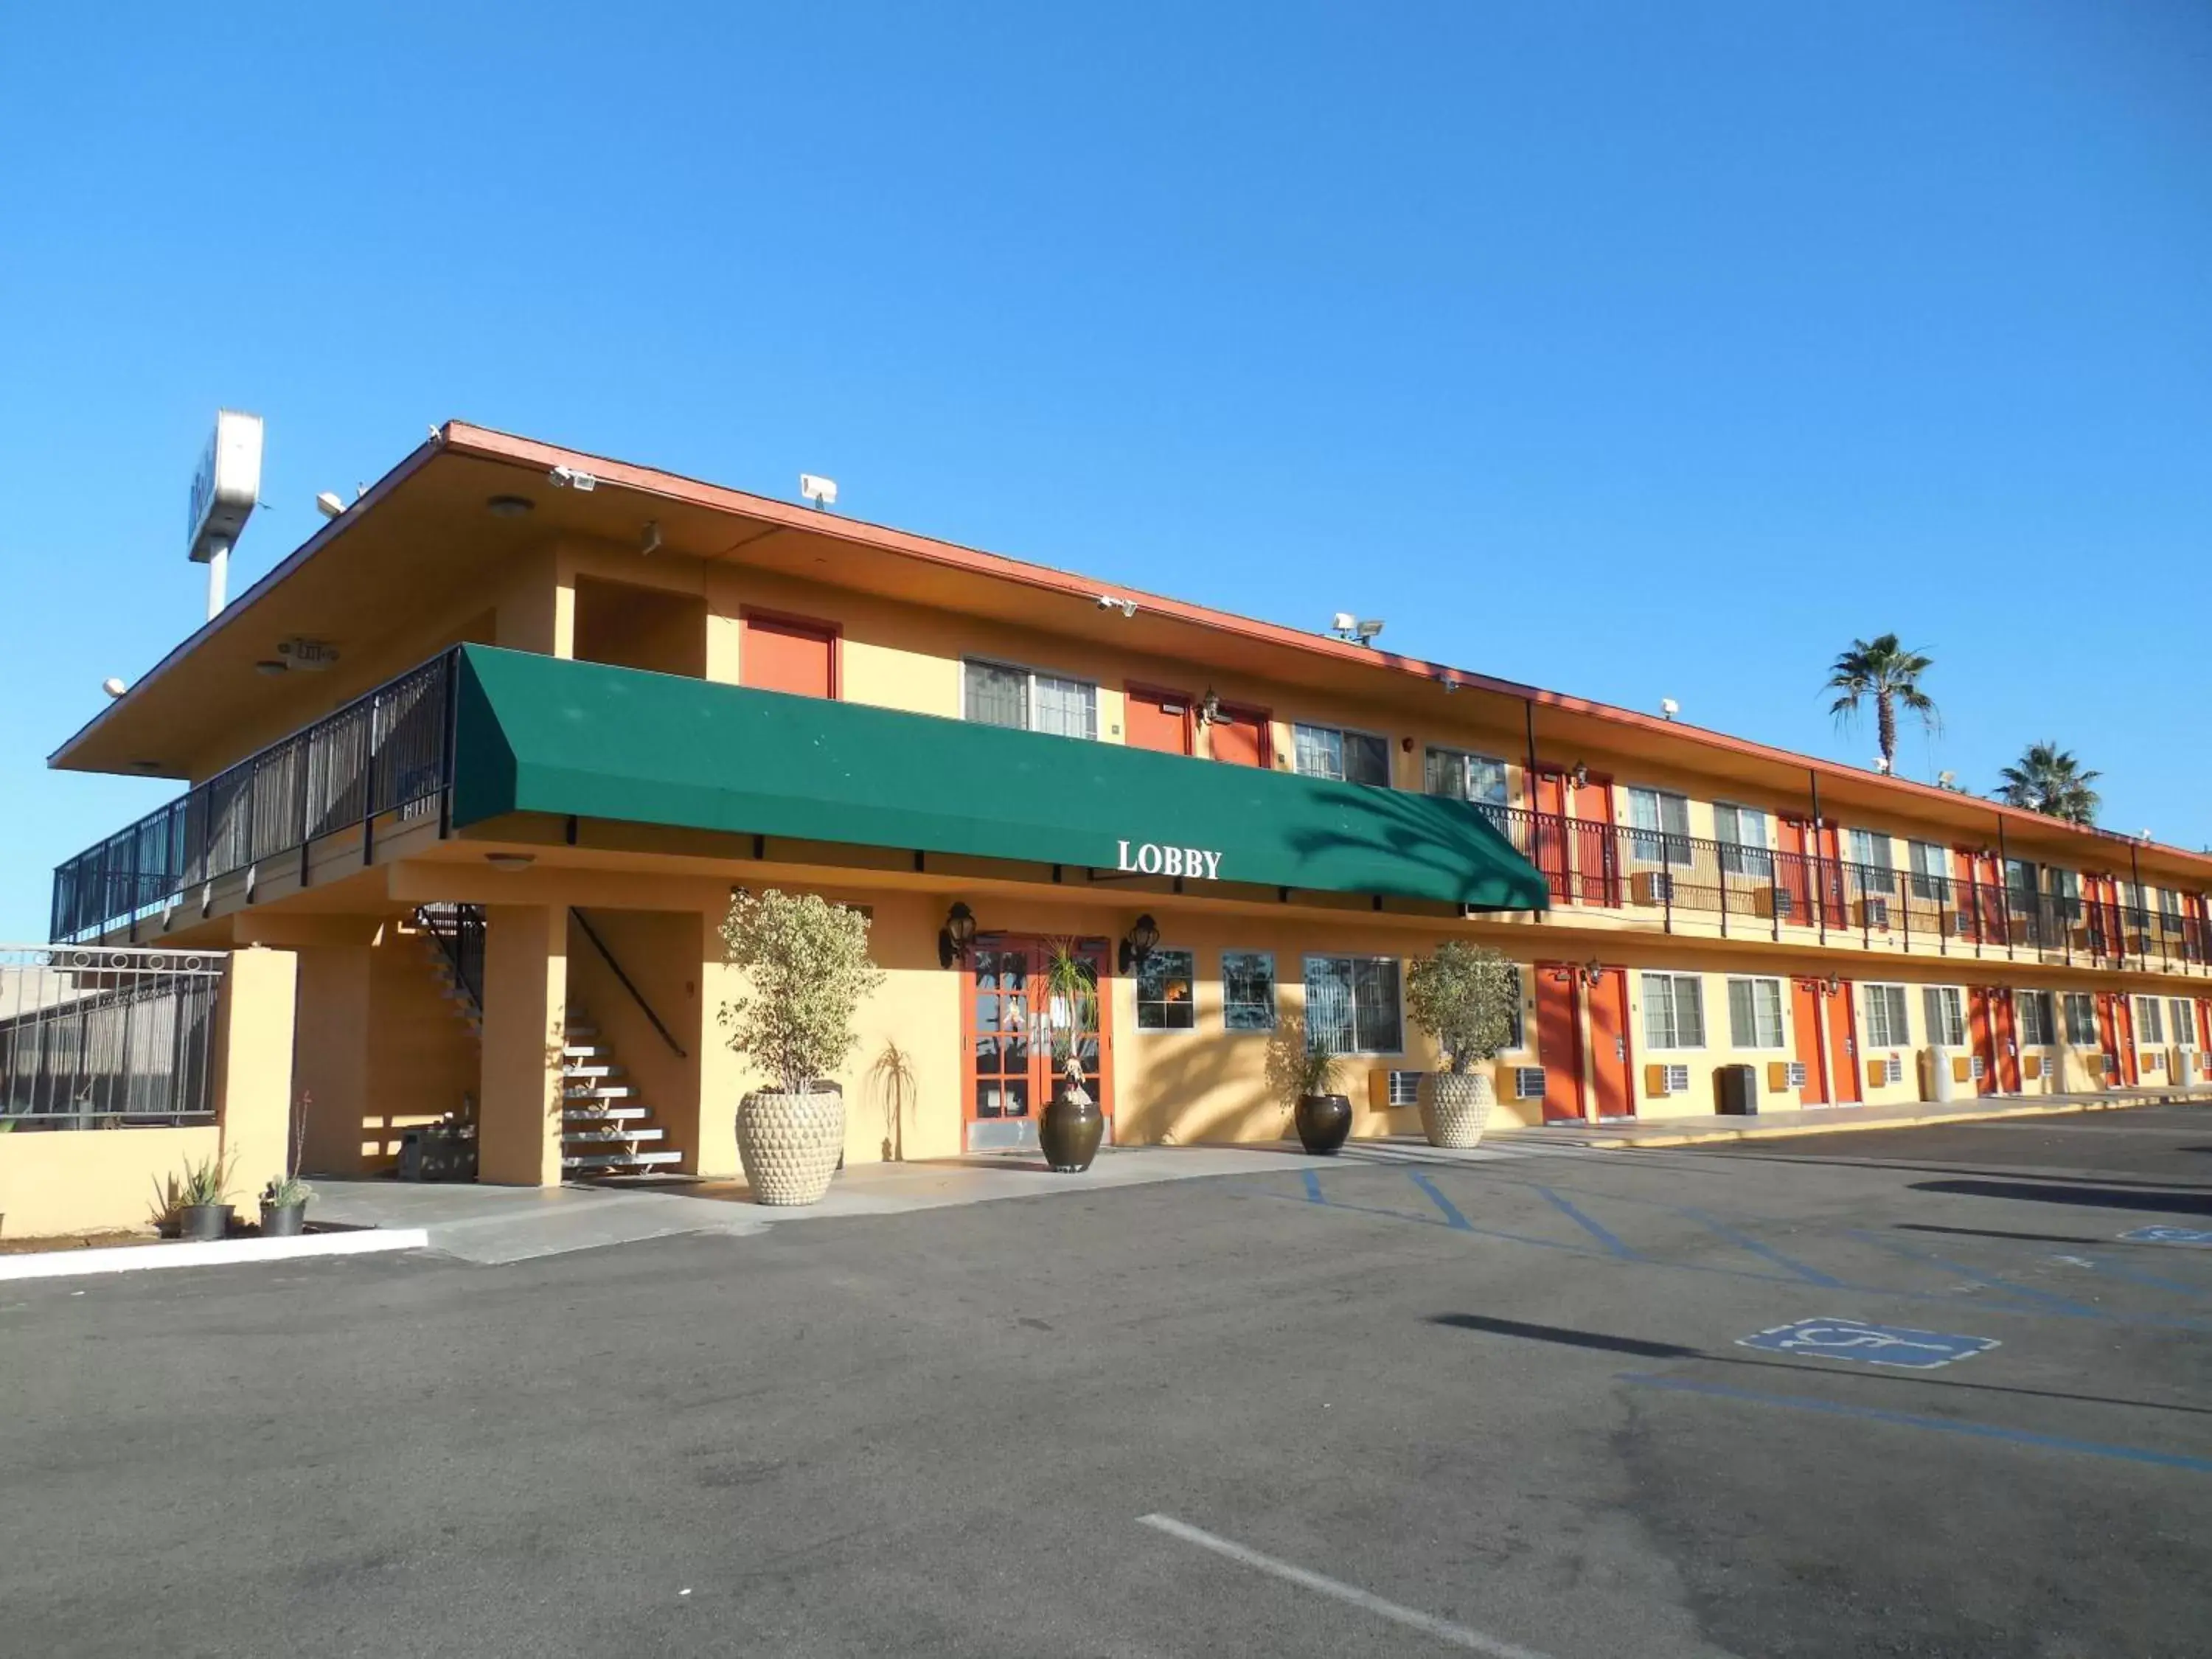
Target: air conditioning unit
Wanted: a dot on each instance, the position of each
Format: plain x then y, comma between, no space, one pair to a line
1962,924
1660,1080
1653,887
2031,1067
1875,913
1797,1076
1976,1070
2154,1060
1404,1089
1884,1068
1776,902
1528,1083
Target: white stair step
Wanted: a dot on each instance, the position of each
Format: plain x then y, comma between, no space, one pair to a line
590,1071
612,1137
620,1160
606,1114
599,1090
586,1050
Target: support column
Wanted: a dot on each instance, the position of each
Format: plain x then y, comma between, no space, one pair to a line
525,998
722,1075
253,1063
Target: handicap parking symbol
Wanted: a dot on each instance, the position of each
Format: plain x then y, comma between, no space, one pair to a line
2168,1236
1871,1345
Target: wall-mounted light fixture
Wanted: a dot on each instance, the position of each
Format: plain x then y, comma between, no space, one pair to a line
1137,943
956,935
1592,972
1834,986
510,860
1580,776
1209,707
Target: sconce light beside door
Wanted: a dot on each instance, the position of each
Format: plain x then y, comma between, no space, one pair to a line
956,935
1137,943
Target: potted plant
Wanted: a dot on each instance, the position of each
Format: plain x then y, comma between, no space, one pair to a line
808,970
1072,1126
195,1199
1322,1115
285,1207
1464,996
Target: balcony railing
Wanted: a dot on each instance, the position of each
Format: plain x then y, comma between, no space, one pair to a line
389,751
1753,891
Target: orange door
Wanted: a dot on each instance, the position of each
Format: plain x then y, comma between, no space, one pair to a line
2124,1032
2007,1033
1560,1041
1596,847
1239,737
1157,719
2204,1025
1794,876
1610,1049
1980,1034
2108,1034
1844,1047
1805,1001
1548,834
1007,1023
783,653
1832,905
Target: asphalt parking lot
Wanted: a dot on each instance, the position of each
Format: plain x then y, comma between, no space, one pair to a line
1404,1404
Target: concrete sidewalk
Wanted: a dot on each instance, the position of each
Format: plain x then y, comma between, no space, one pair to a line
1827,1120
493,1225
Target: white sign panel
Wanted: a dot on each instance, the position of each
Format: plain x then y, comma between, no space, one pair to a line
227,485
1149,858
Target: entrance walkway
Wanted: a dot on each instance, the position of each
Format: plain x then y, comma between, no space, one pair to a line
1824,1120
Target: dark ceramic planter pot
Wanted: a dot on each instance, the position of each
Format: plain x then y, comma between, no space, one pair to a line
1323,1120
203,1221
1070,1131
286,1221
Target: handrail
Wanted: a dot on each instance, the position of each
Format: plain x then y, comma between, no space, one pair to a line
637,996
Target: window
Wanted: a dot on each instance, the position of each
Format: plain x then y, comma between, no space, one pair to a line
1869,850
2184,1023
2169,909
2150,1022
1247,990
998,695
1946,1007
1466,777
2080,1019
1514,1037
1165,1000
2066,889
1742,832
1884,1008
1673,1011
2037,1029
1326,751
2021,879
1353,1005
1926,861
1755,1013
1661,822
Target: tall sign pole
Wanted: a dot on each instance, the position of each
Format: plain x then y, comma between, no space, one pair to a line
224,491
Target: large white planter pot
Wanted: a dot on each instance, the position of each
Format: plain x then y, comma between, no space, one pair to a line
789,1143
1455,1109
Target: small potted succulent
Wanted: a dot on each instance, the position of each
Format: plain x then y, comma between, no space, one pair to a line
195,1200
285,1207
1464,996
1072,1126
1322,1114
808,970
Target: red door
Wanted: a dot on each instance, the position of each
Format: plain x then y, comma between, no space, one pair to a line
2204,1026
1560,1041
1006,1021
2108,1034
1239,737
1981,1031
1596,847
1833,905
1610,1051
1157,719
784,653
1792,875
1844,1047
2006,1030
1805,1001
1548,832
2125,1007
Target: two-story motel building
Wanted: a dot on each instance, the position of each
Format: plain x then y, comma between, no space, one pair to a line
575,702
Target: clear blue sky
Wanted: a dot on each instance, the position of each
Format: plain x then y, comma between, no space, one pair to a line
1638,350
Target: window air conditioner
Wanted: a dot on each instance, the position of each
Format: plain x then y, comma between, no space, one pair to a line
1528,1083
1655,887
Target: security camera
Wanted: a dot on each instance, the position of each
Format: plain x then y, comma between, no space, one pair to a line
1345,622
822,492
114,687
329,505
1668,708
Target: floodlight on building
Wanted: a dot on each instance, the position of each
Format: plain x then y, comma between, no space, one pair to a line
822,491
1668,708
329,504
114,687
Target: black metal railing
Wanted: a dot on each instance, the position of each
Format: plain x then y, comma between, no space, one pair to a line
1748,890
92,1038
389,751
458,930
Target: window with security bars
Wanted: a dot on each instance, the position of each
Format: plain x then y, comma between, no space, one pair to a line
1883,1009
1329,751
1673,1011
1755,1013
1659,826
1869,850
2150,1021
1742,832
2080,1019
2037,1029
999,695
1353,1005
1462,776
1946,1008
2184,1023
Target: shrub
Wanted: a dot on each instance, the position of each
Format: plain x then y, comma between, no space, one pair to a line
1464,996
808,969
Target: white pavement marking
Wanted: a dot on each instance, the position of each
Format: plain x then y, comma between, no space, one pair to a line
211,1253
1443,1629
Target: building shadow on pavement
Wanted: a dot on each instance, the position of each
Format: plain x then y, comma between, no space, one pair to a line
2157,1200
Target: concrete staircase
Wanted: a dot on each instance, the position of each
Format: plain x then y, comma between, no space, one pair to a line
456,995
605,1130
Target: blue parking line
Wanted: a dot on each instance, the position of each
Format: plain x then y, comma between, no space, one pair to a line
1313,1187
1613,1246
2136,1276
1913,1420
2027,1292
1452,1217
1760,1247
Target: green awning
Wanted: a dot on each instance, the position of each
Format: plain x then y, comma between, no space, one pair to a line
543,734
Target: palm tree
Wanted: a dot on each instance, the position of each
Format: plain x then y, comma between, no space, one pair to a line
2049,780
1885,671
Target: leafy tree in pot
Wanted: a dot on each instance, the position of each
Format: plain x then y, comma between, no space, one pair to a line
1464,996
807,971
1072,1125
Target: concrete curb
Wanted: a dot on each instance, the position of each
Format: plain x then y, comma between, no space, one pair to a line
1780,1131
214,1253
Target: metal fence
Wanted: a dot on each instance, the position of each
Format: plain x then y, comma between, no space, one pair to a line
100,1039
1754,891
386,752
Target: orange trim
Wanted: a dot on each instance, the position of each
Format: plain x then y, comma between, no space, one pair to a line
1143,691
